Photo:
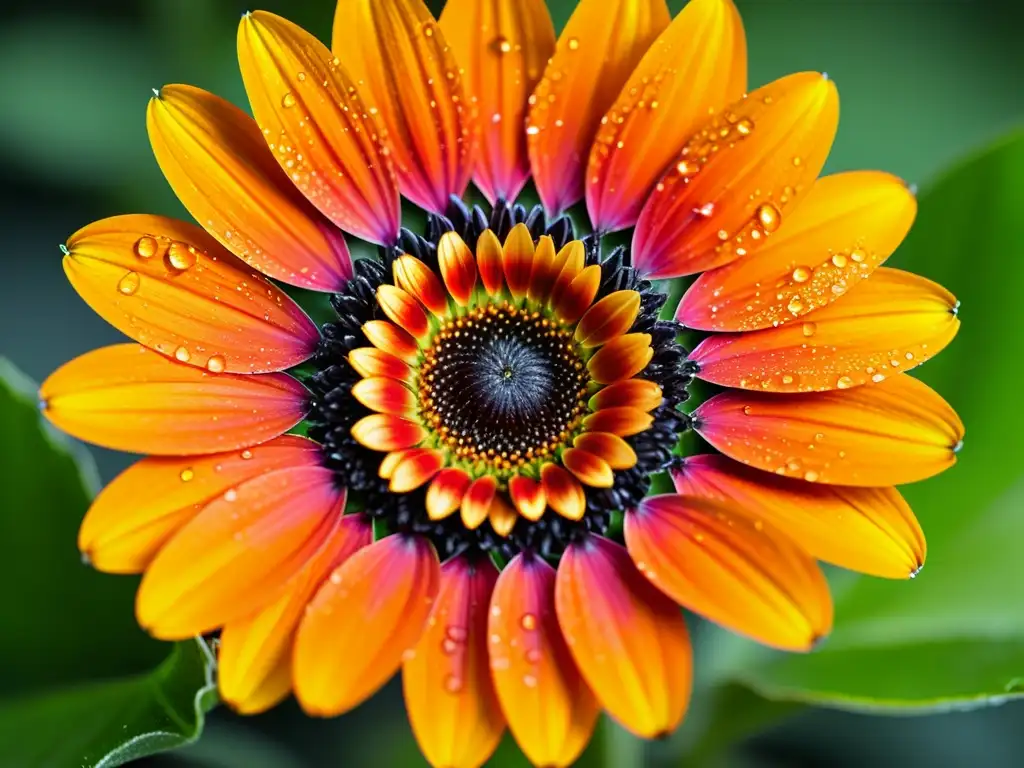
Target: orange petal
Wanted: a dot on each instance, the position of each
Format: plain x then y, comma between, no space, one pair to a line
386,432
517,260
445,493
502,516
504,46
896,432
896,317
403,310
621,358
419,280
543,271
847,225
458,268
236,556
385,395
366,615
129,398
871,530
369,361
388,337
528,496
253,649
170,286
629,640
398,55
610,317
317,126
737,178
623,421
476,503
730,568
615,451
136,513
570,261
696,66
489,257
549,708
578,295
449,696
638,393
219,166
563,492
588,468
415,469
600,45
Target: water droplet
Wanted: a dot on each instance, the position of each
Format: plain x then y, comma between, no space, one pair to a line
574,43
745,126
857,256
145,247
797,160
128,284
801,274
528,622
723,235
839,260
501,45
247,454
787,379
449,646
838,289
301,76
215,364
453,683
686,168
230,495
845,382
770,217
810,328
181,354
181,256
811,476
705,210
795,305
186,474
288,100
530,681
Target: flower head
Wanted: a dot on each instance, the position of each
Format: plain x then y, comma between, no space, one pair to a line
452,475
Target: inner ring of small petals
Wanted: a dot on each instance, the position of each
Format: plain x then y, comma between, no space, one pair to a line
503,385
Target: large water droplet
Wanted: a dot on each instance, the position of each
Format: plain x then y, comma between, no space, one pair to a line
528,622
128,284
845,382
801,275
215,364
770,217
181,256
146,247
810,328
745,126
181,354
288,100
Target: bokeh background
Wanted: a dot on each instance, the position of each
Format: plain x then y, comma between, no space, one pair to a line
923,84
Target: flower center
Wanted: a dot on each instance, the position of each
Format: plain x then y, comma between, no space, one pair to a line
503,385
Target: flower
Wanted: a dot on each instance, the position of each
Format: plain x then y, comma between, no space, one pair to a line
468,497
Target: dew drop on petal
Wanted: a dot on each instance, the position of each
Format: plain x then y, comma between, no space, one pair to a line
181,354
810,328
215,364
128,284
145,247
845,382
186,474
453,684
770,217
181,256
745,126
288,100
801,275
574,43
528,622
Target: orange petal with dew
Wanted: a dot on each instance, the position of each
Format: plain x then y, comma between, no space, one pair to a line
389,338
588,468
368,613
458,267
598,48
628,639
570,261
738,178
517,260
489,256
615,451
896,317
384,395
563,492
870,530
403,310
899,431
236,556
169,285
449,695
637,393
416,278
476,502
695,67
144,506
549,708
386,432
253,649
621,420
129,398
408,75
528,496
621,358
370,361
415,469
220,167
318,127
445,493
846,226
610,317
543,271
732,569
504,46
578,295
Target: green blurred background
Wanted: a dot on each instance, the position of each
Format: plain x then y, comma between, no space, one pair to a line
923,83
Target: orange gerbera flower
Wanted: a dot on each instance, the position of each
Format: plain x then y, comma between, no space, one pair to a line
493,392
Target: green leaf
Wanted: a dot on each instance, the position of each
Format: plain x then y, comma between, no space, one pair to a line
954,637
81,689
